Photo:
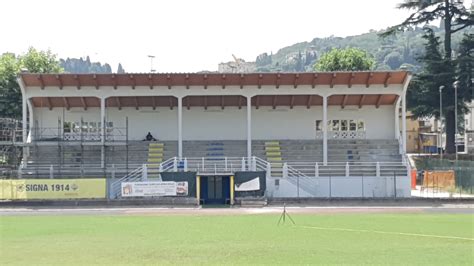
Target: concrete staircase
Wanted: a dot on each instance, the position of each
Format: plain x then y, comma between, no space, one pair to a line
155,157
215,150
363,150
273,156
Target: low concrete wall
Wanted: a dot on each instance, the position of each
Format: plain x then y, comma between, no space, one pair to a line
339,187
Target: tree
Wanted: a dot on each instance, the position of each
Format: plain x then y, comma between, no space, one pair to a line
423,98
40,62
455,17
349,59
466,68
120,69
33,61
10,94
393,60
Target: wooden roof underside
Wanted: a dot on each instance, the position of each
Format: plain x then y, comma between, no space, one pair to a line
221,101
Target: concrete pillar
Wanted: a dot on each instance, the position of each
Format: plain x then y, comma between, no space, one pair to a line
404,124
32,119
24,116
180,127
102,119
249,129
102,131
397,119
325,130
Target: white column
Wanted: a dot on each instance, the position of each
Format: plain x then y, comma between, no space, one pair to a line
24,113
102,131
102,119
180,127
397,119
32,119
404,123
325,130
249,129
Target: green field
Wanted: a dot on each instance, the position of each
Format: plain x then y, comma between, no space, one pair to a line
239,239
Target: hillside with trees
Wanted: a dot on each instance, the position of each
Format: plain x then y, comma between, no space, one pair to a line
390,53
83,66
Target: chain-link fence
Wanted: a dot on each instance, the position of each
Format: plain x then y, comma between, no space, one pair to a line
464,173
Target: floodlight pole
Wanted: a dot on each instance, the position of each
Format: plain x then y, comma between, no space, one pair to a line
441,120
151,63
456,85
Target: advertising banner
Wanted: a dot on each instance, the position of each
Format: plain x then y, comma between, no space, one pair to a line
25,189
250,185
154,189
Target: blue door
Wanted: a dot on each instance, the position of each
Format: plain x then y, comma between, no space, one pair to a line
215,189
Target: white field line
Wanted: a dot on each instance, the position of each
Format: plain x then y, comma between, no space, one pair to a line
384,232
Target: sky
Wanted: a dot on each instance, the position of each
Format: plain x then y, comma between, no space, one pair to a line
183,35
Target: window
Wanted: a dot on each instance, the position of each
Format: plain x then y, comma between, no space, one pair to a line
319,125
344,125
360,125
85,127
335,125
76,127
110,127
67,127
93,127
352,125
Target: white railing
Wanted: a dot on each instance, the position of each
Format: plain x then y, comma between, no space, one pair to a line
215,165
221,165
139,174
316,169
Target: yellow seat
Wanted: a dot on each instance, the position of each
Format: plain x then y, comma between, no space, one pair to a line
274,159
273,154
272,148
272,143
156,144
155,155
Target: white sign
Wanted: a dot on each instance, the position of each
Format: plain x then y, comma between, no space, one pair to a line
250,185
154,189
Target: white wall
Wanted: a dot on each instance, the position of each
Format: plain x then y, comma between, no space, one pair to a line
162,123
228,124
285,123
214,123
339,187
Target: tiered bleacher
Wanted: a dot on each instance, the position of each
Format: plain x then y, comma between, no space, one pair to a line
361,155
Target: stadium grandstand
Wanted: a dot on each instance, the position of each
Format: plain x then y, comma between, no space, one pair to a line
280,134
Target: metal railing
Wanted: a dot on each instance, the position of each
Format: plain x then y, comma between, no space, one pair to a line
139,174
316,169
220,165
79,134
44,171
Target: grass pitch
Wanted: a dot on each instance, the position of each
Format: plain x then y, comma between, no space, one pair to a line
435,239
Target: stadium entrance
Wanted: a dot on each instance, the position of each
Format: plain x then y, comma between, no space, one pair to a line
215,190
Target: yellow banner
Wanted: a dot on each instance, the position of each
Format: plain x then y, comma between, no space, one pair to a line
25,189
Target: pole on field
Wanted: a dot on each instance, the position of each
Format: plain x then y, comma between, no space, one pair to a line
283,216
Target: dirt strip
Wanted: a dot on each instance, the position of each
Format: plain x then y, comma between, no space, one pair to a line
152,211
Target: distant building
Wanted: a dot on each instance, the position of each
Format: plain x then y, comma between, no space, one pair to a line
237,67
